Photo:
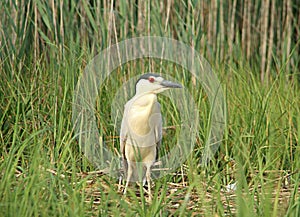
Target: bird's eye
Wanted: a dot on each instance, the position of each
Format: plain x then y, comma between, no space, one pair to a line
151,79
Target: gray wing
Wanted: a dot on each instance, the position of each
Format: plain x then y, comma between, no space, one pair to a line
158,128
123,138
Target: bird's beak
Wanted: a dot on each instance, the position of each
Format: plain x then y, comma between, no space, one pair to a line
170,84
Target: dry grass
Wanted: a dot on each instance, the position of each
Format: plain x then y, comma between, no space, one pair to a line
198,200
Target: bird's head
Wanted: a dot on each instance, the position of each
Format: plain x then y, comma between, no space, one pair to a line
153,83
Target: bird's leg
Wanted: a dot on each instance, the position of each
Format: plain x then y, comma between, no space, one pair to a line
148,177
129,174
119,185
144,181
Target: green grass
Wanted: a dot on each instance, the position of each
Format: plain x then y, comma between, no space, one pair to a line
43,172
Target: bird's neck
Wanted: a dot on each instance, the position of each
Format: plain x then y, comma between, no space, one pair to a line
145,100
140,112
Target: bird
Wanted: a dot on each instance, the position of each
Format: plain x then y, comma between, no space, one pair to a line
141,128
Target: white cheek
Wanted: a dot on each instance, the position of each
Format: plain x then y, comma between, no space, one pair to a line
159,79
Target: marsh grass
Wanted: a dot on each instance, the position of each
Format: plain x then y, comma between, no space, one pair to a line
43,172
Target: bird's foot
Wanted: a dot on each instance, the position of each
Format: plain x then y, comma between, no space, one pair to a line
150,197
120,184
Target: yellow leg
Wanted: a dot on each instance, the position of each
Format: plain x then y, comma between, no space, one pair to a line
148,177
129,174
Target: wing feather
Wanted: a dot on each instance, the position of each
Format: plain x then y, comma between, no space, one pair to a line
123,138
158,127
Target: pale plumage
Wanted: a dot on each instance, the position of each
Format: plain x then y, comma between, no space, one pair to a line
141,129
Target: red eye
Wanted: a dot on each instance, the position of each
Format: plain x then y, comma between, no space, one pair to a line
151,79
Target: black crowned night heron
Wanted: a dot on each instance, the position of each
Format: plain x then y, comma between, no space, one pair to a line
141,129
